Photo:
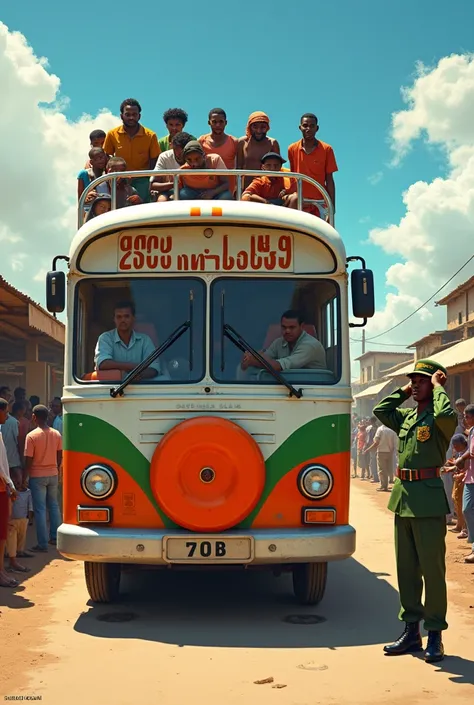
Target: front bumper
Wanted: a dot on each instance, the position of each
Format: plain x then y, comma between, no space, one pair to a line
271,546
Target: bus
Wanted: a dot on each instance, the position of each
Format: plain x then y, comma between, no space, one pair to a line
192,458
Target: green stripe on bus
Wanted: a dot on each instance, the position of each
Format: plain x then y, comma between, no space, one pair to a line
88,434
322,436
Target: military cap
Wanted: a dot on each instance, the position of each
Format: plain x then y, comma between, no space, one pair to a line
427,368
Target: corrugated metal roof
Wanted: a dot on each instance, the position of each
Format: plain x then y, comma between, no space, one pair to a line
458,354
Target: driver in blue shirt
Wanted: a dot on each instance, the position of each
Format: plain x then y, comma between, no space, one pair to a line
123,348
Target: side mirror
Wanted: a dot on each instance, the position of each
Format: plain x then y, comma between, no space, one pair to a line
55,291
363,297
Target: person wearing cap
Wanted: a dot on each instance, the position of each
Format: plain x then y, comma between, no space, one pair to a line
419,503
279,191
206,186
255,143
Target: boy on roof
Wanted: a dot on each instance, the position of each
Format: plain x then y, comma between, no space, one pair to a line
313,158
97,139
280,191
175,119
217,141
202,186
173,158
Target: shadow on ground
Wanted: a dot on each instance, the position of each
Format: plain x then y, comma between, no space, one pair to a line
13,597
233,609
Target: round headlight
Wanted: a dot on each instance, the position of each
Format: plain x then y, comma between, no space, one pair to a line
315,482
98,481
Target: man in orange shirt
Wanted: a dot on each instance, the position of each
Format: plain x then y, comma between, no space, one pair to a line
280,191
217,141
202,186
136,144
43,456
313,158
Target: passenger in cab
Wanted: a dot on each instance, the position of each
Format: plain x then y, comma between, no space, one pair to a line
202,186
162,186
136,144
316,159
101,204
97,139
255,143
175,119
280,191
294,350
127,195
122,348
217,141
98,160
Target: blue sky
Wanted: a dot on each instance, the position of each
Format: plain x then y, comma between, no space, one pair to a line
346,61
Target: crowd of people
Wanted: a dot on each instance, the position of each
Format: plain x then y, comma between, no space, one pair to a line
374,451
30,477
132,147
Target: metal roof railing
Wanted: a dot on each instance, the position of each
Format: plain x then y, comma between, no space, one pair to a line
238,174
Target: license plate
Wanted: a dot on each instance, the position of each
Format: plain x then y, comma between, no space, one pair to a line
208,549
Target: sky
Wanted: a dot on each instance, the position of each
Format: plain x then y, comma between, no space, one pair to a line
392,84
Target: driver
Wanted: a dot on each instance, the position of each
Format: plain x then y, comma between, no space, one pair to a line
294,350
123,348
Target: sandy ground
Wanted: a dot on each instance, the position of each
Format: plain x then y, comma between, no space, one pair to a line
205,639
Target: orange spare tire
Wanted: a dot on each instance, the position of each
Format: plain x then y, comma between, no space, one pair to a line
207,474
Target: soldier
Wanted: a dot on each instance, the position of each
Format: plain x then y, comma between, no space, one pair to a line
419,502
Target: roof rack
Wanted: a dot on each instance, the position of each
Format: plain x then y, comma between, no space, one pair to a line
238,174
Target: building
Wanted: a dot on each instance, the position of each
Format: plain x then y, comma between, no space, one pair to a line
31,345
374,380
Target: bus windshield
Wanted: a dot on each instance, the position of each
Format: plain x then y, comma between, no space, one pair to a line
295,323
156,307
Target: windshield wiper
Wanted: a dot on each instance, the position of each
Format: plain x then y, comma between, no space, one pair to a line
136,372
242,344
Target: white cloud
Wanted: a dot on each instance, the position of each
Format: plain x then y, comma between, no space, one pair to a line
44,152
376,178
435,235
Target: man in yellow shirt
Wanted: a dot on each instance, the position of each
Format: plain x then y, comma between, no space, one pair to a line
136,144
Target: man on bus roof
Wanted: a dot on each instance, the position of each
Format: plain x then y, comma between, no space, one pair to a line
313,158
255,143
136,144
173,158
294,350
123,348
175,119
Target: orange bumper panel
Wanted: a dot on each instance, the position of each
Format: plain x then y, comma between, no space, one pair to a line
94,515
310,515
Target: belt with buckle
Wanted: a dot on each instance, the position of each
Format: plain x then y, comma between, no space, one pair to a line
421,474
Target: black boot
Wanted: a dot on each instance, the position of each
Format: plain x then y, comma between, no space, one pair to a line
435,649
408,642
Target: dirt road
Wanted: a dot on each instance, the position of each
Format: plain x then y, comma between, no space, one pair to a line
194,638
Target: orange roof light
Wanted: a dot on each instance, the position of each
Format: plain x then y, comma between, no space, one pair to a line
195,211
217,211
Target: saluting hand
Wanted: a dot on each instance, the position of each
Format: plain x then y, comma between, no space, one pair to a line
407,389
438,379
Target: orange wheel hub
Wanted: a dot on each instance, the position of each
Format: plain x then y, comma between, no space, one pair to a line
207,474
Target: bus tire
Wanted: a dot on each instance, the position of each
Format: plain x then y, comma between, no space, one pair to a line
102,581
309,582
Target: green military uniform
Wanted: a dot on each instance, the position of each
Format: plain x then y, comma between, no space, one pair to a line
420,505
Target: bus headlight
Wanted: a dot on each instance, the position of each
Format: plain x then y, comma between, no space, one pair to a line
315,481
98,481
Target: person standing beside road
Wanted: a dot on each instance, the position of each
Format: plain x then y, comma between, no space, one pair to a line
43,456
466,463
370,449
385,444
419,503
56,417
7,490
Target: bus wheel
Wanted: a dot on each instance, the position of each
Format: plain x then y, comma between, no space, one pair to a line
102,581
309,582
